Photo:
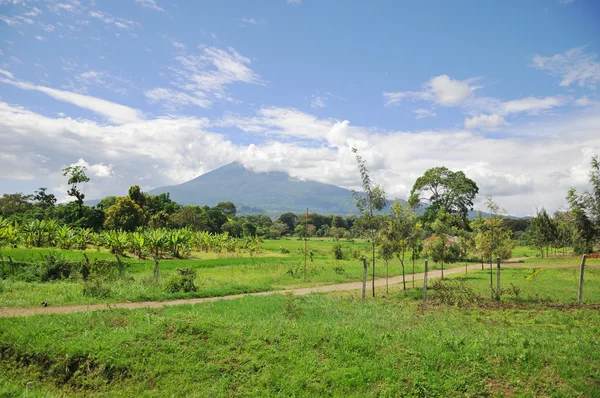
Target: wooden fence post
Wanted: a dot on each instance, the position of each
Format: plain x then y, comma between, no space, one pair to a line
498,279
580,296
364,277
155,268
425,281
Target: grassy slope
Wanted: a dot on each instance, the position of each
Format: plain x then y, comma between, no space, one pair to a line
312,346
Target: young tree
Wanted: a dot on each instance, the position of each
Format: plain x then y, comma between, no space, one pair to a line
77,177
585,208
493,238
372,199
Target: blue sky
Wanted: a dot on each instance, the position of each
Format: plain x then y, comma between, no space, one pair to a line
155,92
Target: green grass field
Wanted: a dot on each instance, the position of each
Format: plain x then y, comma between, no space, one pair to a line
533,342
216,274
309,346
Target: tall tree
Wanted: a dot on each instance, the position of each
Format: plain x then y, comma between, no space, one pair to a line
43,199
372,200
227,207
585,208
77,177
125,214
443,188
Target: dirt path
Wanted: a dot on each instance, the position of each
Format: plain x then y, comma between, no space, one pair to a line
22,312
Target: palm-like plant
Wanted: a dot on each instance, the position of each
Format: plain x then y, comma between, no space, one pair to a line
155,240
65,237
116,241
83,237
137,243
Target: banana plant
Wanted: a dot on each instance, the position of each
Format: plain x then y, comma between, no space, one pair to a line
156,241
65,237
116,241
83,238
137,243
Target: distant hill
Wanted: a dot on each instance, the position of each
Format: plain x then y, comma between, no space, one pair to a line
272,193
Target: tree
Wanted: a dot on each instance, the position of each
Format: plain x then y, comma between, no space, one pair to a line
192,217
135,193
493,237
105,203
227,207
441,246
585,208
543,231
77,177
446,189
14,203
125,214
372,199
43,199
289,219
249,230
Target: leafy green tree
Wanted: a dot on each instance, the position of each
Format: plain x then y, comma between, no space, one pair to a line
135,193
249,229
372,200
124,215
493,238
442,247
585,208
15,203
216,219
192,217
43,199
105,203
444,189
233,228
77,177
289,219
227,207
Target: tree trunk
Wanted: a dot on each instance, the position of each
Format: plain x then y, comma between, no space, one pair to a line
413,269
387,275
373,280
364,277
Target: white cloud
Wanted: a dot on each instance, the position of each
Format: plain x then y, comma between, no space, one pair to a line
173,100
110,20
531,104
318,102
16,21
423,113
565,1
99,170
178,45
442,90
208,74
113,112
294,2
572,66
253,21
34,12
485,122
150,4
40,38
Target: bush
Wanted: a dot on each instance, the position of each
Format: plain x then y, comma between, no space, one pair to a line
182,283
338,253
96,289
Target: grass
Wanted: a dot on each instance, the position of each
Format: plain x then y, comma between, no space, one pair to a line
312,346
216,275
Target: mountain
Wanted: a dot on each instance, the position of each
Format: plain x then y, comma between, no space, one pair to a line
273,192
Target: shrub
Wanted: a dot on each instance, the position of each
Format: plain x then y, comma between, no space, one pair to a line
96,289
183,283
338,253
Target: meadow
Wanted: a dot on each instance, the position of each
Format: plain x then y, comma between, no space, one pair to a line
216,274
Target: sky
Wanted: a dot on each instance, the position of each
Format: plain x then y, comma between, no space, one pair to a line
157,92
